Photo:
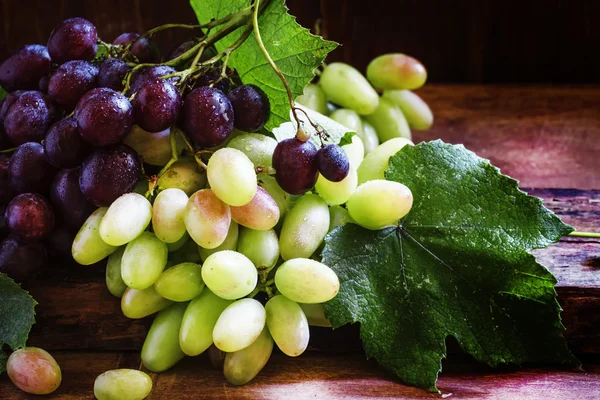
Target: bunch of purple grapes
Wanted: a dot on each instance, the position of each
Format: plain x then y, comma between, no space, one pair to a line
63,123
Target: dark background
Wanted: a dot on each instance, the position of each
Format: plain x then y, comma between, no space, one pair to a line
489,41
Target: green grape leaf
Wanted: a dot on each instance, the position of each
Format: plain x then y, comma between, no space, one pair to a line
336,133
346,139
17,315
3,93
294,49
3,359
456,265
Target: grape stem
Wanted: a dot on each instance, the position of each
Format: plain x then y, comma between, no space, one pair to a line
593,235
8,150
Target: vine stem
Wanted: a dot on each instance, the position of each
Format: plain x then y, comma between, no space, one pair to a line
593,235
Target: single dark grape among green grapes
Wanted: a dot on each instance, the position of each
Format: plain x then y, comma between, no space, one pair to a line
207,116
28,116
29,170
108,173
64,147
151,74
20,260
156,106
70,81
73,39
251,107
145,50
333,163
111,73
24,68
296,165
69,203
29,216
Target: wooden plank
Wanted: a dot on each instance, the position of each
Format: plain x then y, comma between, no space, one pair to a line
314,375
76,311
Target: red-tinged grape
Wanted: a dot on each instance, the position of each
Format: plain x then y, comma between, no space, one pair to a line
29,171
24,68
261,213
70,81
396,71
145,50
251,107
34,371
73,39
151,74
64,147
207,116
6,190
108,173
104,119
111,74
20,260
28,117
333,163
30,217
70,204
43,84
156,106
296,165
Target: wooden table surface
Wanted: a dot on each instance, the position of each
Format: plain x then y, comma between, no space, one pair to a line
547,137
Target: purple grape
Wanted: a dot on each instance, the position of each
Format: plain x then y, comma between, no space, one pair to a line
207,116
182,48
4,231
59,242
30,217
295,163
333,163
145,50
150,75
73,39
71,206
212,78
109,173
89,95
22,261
111,74
251,107
24,68
43,84
7,193
156,106
105,118
8,101
70,81
28,117
64,147
29,171
5,142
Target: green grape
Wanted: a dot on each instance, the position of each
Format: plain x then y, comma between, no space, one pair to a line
379,203
114,281
136,304
344,85
349,118
355,151
230,242
176,246
281,197
417,112
231,176
314,98
199,320
376,162
239,325
261,213
337,192
229,274
161,348
261,247
315,314
144,260
154,148
188,252
167,215
338,216
304,227
388,121
185,175
31,369
396,71
126,218
257,147
306,281
369,137
181,282
207,219
242,366
288,325
121,384
88,247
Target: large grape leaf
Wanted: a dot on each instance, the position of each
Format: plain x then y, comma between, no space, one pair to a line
294,49
456,265
17,316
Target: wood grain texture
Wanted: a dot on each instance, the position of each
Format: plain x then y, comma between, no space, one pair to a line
317,376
